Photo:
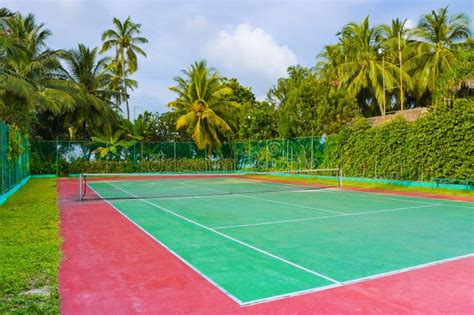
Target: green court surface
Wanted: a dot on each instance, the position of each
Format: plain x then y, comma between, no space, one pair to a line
262,246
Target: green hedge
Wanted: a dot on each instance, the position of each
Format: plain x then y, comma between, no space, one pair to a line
165,165
438,145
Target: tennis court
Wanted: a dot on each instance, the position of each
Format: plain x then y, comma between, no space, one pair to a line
264,238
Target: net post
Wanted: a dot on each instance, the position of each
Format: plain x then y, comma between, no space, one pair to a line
80,187
340,177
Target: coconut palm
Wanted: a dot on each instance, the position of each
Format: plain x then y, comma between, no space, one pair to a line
330,59
362,72
124,41
390,34
395,45
86,74
202,100
116,84
438,37
28,81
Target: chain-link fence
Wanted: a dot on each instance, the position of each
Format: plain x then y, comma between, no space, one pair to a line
71,157
14,156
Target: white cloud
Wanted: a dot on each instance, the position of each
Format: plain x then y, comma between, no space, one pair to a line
410,24
249,53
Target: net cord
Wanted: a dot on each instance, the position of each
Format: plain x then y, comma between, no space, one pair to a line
238,173
83,176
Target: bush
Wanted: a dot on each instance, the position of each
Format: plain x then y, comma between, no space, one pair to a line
164,165
436,145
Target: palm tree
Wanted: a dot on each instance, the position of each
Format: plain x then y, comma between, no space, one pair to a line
395,46
28,81
296,75
202,101
362,72
125,42
117,84
438,37
87,75
330,59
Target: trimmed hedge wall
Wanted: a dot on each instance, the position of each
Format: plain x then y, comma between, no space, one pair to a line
438,145
167,165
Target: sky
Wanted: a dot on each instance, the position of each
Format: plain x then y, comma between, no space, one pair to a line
253,41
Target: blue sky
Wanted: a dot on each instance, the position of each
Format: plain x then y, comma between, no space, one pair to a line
254,41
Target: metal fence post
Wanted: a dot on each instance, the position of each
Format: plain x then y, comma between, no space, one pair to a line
57,157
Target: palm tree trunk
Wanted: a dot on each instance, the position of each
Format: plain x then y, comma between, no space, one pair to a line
126,92
126,97
209,152
125,85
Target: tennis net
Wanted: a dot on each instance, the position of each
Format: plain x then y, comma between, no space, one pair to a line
145,185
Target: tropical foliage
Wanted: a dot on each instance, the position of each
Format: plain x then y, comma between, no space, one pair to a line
391,67
27,78
202,100
125,43
110,143
372,70
438,145
62,93
308,105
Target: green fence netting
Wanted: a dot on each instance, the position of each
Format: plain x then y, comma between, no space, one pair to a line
71,157
15,162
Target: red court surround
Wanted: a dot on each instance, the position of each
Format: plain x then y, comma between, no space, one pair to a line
111,267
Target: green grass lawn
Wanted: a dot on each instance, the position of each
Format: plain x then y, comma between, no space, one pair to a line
30,250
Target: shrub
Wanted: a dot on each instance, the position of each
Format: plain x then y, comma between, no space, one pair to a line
436,145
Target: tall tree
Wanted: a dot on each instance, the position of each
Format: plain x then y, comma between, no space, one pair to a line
28,80
166,128
117,85
201,101
124,40
395,47
362,72
258,121
241,95
438,37
87,73
330,59
308,105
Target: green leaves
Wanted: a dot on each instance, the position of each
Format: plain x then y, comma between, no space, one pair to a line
436,145
112,143
124,40
374,63
308,105
201,100
27,71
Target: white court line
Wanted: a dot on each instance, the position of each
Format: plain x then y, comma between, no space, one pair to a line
234,239
365,194
323,217
232,297
291,294
292,204
358,280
